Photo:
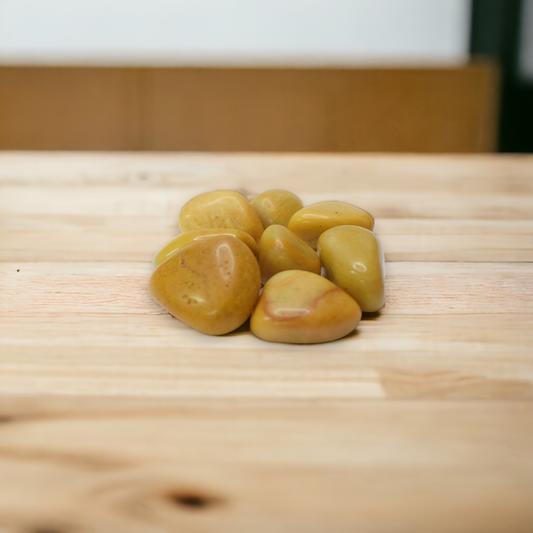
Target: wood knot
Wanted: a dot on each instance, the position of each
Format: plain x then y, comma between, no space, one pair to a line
192,500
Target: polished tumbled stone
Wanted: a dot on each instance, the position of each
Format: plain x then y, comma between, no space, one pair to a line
280,250
220,209
353,259
310,222
276,207
189,237
301,307
212,285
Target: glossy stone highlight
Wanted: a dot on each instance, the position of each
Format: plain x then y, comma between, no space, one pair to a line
280,250
310,222
353,259
212,285
184,239
302,307
276,207
220,209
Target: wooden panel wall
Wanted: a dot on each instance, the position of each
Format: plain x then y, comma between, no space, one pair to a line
244,109
69,108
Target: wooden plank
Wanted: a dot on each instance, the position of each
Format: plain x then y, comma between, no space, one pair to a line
100,200
133,238
249,109
412,288
445,332
435,187
456,240
119,465
75,108
115,417
313,173
478,357
324,110
469,213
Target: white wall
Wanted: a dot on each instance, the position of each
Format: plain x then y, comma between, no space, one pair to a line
234,32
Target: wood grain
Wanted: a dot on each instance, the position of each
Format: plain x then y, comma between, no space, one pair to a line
427,209
116,417
79,238
266,466
107,288
458,174
451,109
328,110
427,357
69,108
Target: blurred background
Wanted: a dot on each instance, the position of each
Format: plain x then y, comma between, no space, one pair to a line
267,75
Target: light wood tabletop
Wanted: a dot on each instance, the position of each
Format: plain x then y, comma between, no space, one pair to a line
117,418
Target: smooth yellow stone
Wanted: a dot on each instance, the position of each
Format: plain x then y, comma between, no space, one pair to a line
280,249
301,307
220,209
212,285
276,207
353,259
310,222
184,239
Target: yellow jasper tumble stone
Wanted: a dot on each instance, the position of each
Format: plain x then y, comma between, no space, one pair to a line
301,307
353,259
279,250
220,209
212,285
184,239
276,207
310,222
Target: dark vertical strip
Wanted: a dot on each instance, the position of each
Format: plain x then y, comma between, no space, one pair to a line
495,33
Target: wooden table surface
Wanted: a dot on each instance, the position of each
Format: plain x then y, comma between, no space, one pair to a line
117,418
